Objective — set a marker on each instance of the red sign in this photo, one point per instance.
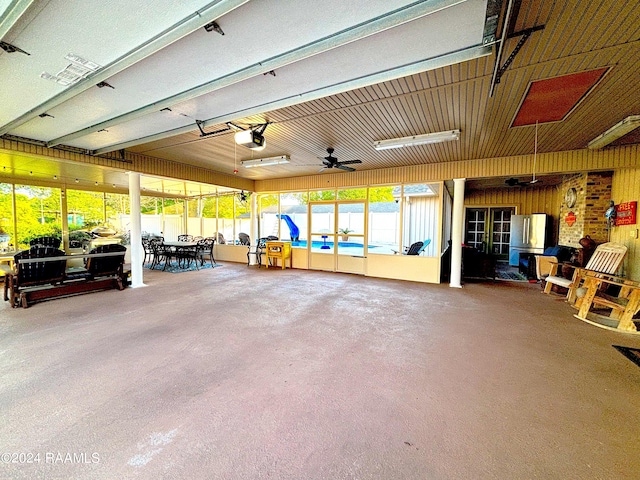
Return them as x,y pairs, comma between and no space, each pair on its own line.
570,219
626,213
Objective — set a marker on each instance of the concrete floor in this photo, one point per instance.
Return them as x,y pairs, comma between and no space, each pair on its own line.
240,373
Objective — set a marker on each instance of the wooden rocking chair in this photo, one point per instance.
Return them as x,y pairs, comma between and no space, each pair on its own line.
621,307
606,260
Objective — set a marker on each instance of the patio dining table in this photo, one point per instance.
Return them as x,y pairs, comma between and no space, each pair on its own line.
181,250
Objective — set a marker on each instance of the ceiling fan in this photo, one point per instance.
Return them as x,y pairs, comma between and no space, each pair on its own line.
512,182
332,162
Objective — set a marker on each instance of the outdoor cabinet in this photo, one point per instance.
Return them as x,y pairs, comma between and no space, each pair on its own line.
281,250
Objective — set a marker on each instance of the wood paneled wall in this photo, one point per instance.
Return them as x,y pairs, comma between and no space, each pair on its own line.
548,163
527,200
555,162
626,188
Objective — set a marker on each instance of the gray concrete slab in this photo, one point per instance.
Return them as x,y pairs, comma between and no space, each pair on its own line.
240,373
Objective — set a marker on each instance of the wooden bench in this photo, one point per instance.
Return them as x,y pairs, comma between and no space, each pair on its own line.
41,273
606,260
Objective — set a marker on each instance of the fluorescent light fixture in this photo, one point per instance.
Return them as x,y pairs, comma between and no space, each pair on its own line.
620,129
436,137
265,162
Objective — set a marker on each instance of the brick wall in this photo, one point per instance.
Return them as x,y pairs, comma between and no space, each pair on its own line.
593,195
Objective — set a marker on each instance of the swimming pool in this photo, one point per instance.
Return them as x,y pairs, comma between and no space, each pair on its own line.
319,244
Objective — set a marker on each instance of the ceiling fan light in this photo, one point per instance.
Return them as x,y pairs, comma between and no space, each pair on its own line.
265,162
436,137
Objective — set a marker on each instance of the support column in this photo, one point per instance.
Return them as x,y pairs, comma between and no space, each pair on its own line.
254,225
135,233
457,223
14,212
64,217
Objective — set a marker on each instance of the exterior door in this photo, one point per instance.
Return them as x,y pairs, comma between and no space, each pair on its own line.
322,236
351,247
488,229
337,239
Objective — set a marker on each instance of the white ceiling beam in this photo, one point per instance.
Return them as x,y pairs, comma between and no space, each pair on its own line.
376,25
412,69
11,14
185,26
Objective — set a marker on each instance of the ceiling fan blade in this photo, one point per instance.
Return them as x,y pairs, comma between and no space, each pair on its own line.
512,182
349,162
322,169
346,169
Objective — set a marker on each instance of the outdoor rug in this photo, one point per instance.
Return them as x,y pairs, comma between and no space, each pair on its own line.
514,275
632,354
173,268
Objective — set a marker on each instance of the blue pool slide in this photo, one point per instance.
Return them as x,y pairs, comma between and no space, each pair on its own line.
294,231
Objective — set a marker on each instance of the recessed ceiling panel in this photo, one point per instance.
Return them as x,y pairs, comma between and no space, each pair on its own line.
551,100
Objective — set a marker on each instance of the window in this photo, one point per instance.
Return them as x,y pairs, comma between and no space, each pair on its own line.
242,215
225,218
38,213
352,194
421,216
268,223
6,218
384,220
322,195
293,218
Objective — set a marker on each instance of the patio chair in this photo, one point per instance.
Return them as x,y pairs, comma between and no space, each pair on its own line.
244,239
606,260
147,247
259,249
48,241
186,255
185,238
415,248
161,254
425,244
205,248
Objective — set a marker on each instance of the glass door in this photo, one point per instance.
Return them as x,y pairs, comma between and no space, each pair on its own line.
350,249
337,239
489,230
322,237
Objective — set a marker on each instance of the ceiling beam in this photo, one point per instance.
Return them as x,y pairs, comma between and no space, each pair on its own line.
404,71
11,14
185,26
375,25
502,40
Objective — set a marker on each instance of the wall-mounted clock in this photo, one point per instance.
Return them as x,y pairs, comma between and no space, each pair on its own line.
570,197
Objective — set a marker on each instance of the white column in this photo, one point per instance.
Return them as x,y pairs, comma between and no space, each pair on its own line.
457,221
64,216
254,225
135,234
